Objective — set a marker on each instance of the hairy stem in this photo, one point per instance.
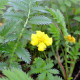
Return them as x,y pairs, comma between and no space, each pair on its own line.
21,33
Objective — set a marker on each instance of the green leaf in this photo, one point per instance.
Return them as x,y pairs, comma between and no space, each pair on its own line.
63,8
77,18
48,66
58,16
15,74
3,65
4,79
41,76
15,16
53,71
77,32
2,5
15,65
68,3
60,2
57,78
11,37
36,0
39,62
40,20
55,33
23,54
77,11
39,8
5,48
19,4
44,68
50,76
1,39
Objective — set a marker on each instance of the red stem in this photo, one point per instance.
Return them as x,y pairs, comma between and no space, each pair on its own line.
62,67
58,29
77,75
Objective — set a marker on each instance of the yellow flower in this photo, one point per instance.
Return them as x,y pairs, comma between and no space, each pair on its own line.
1,24
73,40
70,38
34,40
48,41
41,46
33,36
41,40
40,35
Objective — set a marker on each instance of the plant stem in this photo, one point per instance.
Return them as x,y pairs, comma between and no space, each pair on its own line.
58,29
67,17
77,75
66,59
72,68
21,33
57,57
62,67
45,55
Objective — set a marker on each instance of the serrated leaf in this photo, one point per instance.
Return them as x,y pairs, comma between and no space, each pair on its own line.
57,78
63,8
55,33
2,5
39,62
40,20
1,39
36,0
58,16
41,76
3,65
19,4
68,3
16,74
11,37
53,71
48,66
27,34
23,54
77,18
15,65
40,8
4,79
77,32
15,16
5,48
50,76
77,11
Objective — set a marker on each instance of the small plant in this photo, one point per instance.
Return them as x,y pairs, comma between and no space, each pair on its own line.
44,69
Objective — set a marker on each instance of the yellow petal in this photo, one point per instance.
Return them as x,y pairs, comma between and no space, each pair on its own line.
41,46
48,41
34,42
33,36
73,40
1,24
